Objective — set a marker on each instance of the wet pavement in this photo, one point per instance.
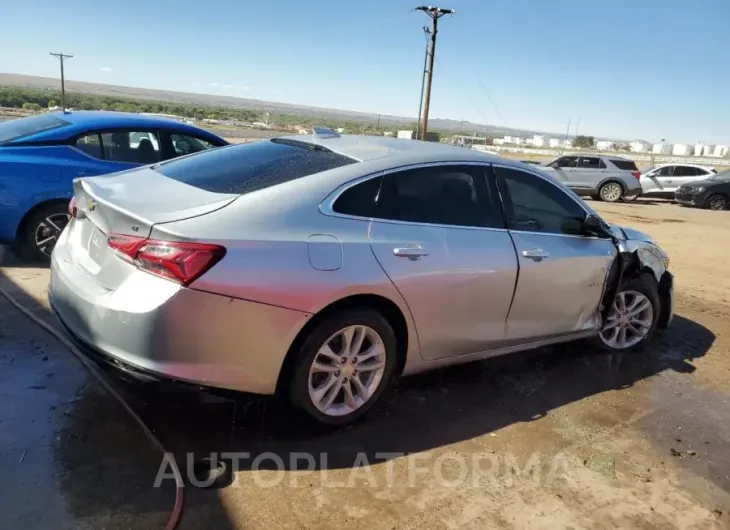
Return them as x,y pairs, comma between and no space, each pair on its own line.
556,438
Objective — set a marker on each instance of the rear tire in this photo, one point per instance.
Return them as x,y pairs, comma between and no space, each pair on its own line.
611,191
41,231
716,202
633,319
334,391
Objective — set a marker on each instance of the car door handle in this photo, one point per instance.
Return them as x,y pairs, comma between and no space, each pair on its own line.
536,254
412,252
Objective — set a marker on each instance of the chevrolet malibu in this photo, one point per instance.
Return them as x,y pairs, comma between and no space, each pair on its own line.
323,267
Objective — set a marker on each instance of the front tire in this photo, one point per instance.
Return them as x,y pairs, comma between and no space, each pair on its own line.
611,192
41,231
632,322
344,367
716,202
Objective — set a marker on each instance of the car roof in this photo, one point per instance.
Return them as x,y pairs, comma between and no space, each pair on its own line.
682,164
597,155
87,120
367,148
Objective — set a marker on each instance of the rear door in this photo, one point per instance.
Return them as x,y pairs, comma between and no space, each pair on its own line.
438,234
561,272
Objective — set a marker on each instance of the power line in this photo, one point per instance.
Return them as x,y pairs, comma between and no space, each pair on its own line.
61,57
435,13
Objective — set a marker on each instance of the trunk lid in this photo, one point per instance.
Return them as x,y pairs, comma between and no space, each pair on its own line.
130,203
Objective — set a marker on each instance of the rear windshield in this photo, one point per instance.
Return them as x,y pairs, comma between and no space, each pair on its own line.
249,167
14,129
628,165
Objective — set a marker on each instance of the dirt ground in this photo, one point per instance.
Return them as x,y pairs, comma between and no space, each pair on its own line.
553,439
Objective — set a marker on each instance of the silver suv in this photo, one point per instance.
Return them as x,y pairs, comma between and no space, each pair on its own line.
606,178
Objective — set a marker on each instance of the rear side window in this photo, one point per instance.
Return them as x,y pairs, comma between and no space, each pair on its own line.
626,165
249,167
15,129
359,200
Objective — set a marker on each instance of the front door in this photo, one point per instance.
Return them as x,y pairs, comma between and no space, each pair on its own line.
566,168
438,234
591,171
561,272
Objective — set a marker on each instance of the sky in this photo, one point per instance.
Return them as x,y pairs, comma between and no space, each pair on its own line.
628,69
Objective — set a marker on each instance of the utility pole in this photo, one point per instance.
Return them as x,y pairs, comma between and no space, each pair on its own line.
426,32
61,57
435,13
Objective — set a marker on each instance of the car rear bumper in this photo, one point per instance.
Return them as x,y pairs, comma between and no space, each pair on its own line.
153,328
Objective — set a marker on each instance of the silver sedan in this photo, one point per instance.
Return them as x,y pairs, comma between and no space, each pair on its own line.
324,267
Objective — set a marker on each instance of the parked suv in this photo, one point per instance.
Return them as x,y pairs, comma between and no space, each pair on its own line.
605,178
665,179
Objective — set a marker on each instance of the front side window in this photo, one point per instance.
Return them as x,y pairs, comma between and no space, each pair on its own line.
184,144
591,162
442,195
666,171
566,161
535,205
133,147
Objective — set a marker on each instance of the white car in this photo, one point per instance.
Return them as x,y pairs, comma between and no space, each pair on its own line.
664,179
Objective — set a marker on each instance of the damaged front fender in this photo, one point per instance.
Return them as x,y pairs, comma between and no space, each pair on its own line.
637,254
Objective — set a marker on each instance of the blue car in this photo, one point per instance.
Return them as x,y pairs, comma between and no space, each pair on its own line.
41,155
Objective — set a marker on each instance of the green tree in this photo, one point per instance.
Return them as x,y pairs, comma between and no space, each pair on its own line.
584,141
52,103
31,106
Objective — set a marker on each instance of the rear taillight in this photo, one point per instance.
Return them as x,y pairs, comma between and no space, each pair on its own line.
182,262
72,207
636,174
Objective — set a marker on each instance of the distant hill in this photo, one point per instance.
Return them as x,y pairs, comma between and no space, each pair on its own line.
230,101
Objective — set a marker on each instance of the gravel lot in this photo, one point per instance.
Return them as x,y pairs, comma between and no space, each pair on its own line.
560,438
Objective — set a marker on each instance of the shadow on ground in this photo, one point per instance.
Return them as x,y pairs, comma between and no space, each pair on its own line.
71,456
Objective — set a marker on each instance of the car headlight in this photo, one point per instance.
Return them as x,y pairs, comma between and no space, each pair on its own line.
659,254
698,190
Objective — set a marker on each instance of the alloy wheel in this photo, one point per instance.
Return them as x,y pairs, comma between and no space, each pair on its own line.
717,203
629,322
347,370
611,192
48,231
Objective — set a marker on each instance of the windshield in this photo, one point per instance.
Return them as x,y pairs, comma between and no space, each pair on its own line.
724,176
11,130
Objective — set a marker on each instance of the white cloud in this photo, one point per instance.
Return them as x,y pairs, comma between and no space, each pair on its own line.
243,87
213,84
106,68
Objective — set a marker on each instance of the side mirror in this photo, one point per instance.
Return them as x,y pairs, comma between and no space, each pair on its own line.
593,225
